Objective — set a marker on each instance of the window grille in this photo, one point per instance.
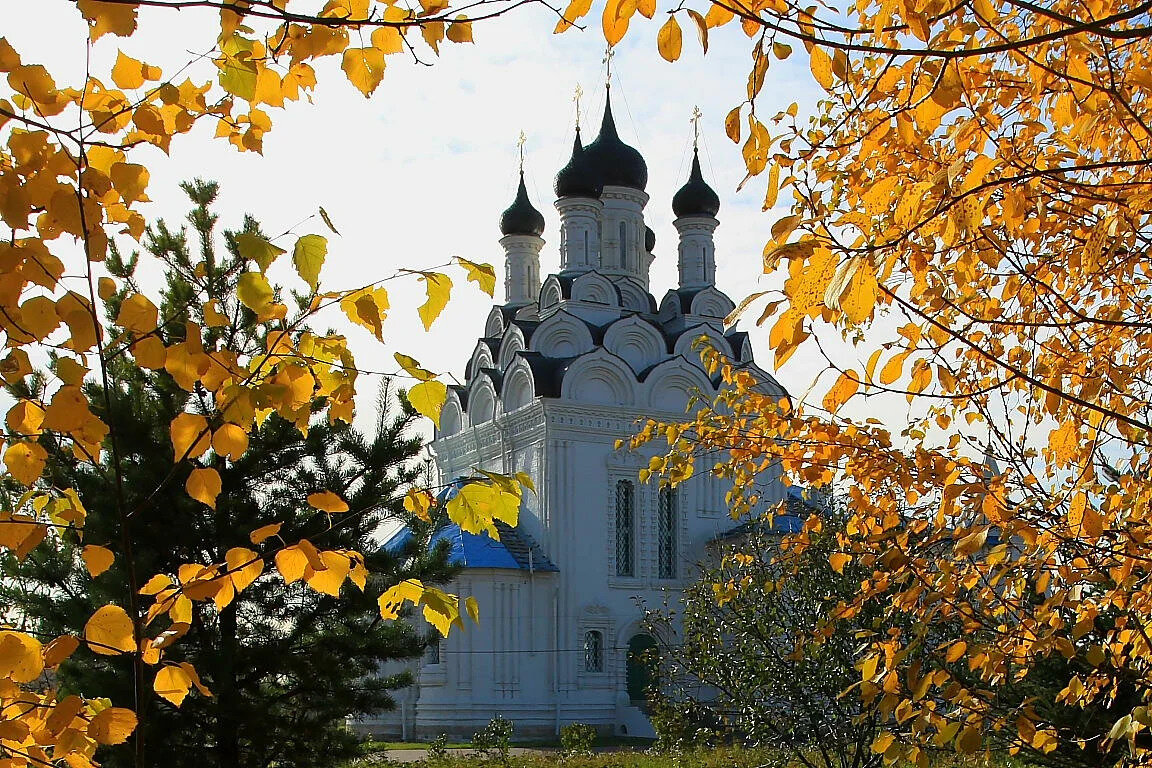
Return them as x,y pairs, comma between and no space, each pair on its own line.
667,519
593,651
432,652
625,528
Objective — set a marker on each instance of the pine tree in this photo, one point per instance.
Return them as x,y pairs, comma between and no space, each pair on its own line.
285,664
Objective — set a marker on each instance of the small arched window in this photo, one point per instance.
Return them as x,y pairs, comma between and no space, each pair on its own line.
625,528
593,651
432,652
667,519
587,252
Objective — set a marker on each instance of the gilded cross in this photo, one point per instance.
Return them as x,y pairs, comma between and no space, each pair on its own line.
696,115
520,142
576,98
607,62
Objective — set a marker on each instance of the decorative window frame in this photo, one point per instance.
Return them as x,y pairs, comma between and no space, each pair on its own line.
596,618
433,672
626,465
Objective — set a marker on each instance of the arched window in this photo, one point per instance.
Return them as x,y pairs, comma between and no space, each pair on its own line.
625,528
593,651
666,533
623,246
587,252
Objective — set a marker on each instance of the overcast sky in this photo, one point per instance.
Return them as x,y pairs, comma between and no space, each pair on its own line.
420,172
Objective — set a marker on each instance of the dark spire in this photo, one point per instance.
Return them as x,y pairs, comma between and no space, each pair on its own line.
578,178
696,198
616,163
521,218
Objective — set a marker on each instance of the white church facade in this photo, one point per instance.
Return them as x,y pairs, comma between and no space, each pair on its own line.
566,366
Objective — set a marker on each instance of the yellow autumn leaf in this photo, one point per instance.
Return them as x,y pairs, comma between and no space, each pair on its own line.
244,567
327,501
104,17
57,651
364,68
482,274
477,504
407,591
773,187
821,66
882,742
439,287
838,560
109,631
172,683
617,14
127,72
24,418
367,307
308,258
137,314
460,30
428,398
893,369
473,609
190,436
412,367
21,657
670,40
25,461
419,503
112,725
38,317
1063,442
264,532
255,248
844,388
576,10
254,292
203,484
329,580
292,563
441,609
230,440
955,651
97,559
859,297
150,353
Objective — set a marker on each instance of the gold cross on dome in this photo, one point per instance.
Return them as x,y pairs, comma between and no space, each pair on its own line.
576,98
520,142
696,115
607,62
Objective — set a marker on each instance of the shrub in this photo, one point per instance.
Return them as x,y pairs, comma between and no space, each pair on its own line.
577,738
495,741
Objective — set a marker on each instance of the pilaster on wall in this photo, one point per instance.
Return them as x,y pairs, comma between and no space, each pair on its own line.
579,233
623,214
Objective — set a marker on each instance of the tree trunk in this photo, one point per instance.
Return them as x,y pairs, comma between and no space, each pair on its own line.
227,699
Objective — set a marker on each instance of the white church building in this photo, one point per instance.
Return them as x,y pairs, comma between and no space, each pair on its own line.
566,366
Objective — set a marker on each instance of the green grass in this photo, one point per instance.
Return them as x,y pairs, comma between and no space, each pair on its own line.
719,757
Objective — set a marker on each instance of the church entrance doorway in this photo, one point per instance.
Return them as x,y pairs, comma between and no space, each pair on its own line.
642,663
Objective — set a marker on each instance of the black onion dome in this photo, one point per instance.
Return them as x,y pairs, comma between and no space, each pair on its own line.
521,218
696,198
649,239
616,163
578,178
